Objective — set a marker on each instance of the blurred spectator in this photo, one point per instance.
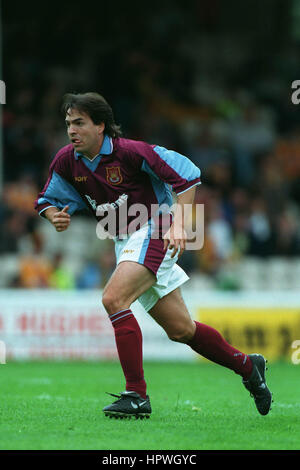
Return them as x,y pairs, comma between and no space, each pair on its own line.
207,258
13,226
90,276
287,153
219,232
241,239
261,233
287,234
272,185
61,278
35,268
21,193
251,136
95,273
204,150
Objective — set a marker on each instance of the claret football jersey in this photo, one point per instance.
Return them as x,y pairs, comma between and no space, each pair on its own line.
126,176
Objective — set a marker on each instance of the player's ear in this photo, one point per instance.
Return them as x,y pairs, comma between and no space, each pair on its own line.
101,128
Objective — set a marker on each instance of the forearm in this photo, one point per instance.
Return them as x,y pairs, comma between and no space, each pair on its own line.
176,235
183,207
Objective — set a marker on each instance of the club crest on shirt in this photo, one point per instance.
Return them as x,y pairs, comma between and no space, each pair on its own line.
113,175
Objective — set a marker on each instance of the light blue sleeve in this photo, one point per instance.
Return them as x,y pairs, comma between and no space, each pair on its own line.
60,193
182,165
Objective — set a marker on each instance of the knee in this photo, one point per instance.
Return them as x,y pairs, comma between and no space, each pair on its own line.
182,334
113,303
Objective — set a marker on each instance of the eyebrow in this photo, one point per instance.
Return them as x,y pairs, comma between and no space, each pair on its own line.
73,120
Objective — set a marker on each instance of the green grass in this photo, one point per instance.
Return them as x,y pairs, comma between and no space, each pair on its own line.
57,406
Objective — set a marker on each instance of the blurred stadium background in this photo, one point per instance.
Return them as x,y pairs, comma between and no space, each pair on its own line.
211,79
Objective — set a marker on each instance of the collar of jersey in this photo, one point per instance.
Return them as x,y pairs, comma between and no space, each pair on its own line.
106,149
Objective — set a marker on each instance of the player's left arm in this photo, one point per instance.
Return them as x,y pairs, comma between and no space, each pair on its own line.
169,166
183,175
176,236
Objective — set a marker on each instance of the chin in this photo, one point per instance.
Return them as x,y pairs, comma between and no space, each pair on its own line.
79,148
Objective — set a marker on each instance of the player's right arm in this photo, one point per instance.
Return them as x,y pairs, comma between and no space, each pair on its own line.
59,218
59,199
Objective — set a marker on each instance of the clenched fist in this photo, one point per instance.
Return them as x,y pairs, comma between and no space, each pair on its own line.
60,219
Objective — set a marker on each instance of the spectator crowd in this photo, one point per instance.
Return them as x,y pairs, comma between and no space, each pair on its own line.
179,87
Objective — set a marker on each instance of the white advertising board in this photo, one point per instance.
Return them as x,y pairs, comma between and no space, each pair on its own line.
74,325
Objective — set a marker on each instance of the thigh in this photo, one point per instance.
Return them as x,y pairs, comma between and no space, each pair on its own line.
129,281
171,313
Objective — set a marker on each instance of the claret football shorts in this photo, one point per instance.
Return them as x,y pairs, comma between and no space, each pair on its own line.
143,249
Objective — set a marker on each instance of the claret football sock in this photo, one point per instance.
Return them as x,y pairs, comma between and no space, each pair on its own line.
210,344
129,342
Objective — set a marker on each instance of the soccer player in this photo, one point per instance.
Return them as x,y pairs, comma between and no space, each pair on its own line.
104,172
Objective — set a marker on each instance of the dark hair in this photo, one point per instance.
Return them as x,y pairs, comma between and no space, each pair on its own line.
96,107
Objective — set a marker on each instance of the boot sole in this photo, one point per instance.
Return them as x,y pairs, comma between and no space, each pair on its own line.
120,415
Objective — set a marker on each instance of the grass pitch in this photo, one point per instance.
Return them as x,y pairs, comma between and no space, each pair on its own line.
57,406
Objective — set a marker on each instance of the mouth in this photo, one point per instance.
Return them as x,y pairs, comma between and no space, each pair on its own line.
76,141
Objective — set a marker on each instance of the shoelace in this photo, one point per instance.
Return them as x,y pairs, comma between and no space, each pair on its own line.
113,395
116,396
120,397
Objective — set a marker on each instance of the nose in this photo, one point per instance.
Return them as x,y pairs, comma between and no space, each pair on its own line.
71,130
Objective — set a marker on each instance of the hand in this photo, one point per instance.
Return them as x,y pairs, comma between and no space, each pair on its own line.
174,238
61,219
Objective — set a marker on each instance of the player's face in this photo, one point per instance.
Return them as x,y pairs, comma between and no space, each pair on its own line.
85,136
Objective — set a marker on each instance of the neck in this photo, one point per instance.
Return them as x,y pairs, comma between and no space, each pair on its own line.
92,153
